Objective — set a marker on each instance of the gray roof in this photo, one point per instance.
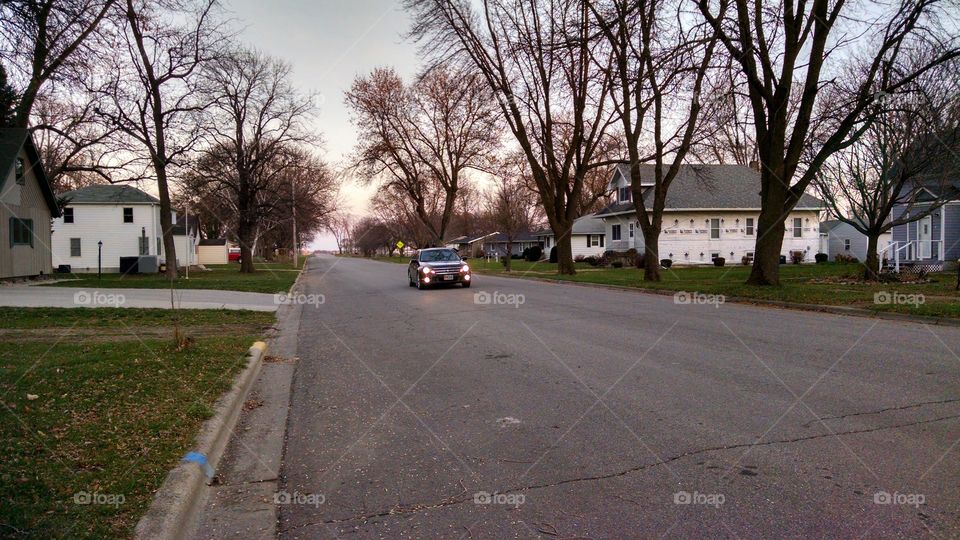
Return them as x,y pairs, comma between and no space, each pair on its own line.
109,194
584,225
707,187
827,226
12,140
180,227
501,238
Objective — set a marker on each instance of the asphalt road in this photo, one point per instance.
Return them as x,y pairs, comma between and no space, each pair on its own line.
595,413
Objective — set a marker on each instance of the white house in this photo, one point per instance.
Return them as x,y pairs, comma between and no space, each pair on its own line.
125,219
587,237
711,211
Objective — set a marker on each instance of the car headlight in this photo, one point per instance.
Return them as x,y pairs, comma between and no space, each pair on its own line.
466,268
426,270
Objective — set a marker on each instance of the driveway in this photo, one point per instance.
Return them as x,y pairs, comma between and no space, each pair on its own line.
70,297
526,409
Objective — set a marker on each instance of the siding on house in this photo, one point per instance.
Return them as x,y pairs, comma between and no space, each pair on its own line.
93,223
834,242
951,234
24,202
687,243
944,225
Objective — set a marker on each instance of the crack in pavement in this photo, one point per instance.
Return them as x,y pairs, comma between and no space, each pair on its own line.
883,410
459,498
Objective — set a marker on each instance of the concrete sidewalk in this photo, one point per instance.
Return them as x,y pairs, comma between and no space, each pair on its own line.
71,297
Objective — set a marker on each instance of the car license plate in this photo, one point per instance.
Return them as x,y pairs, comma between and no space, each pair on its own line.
448,278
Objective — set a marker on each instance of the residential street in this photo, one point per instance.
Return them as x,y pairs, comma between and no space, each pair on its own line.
598,413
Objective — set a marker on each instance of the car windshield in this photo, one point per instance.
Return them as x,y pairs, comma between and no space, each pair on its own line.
439,255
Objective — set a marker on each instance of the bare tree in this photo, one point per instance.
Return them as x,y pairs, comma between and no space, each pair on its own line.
726,133
902,168
512,210
155,92
259,123
422,138
48,40
546,69
340,224
783,49
658,72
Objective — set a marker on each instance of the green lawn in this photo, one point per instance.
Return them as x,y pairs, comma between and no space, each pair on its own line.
268,278
799,283
98,401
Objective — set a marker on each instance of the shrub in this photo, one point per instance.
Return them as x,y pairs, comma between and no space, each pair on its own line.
515,256
783,259
745,260
553,254
611,254
631,253
719,261
503,260
846,259
617,264
639,261
666,263
821,258
592,260
796,257
533,254
579,258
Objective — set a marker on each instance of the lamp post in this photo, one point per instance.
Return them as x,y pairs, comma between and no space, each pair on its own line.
99,260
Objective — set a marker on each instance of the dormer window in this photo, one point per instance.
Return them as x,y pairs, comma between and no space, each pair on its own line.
625,194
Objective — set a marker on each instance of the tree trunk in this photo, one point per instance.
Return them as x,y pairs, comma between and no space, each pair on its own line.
651,254
565,252
509,254
166,222
245,235
872,271
766,257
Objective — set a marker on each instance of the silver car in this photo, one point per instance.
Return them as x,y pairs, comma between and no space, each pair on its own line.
437,266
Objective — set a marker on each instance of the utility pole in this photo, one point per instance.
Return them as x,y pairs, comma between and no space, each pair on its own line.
293,203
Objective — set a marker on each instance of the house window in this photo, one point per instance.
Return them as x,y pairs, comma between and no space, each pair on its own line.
128,215
21,172
546,241
797,227
21,232
74,247
615,232
714,255
68,215
715,228
631,230
159,245
749,226
625,194
846,244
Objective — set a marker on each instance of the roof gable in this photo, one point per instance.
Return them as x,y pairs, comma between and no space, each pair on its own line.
12,140
109,194
714,187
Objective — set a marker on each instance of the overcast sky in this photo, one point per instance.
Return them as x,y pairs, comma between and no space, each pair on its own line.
329,43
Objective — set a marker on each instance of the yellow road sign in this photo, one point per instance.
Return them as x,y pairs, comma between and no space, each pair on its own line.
400,244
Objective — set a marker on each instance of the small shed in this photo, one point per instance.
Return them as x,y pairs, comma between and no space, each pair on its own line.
212,251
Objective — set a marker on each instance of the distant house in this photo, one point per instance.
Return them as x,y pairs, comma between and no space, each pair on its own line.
27,205
711,211
126,220
839,238
587,237
495,245
934,239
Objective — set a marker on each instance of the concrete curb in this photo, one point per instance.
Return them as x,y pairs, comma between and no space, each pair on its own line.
835,310
177,502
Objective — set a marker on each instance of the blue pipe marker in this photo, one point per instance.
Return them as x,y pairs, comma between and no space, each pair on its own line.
200,459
